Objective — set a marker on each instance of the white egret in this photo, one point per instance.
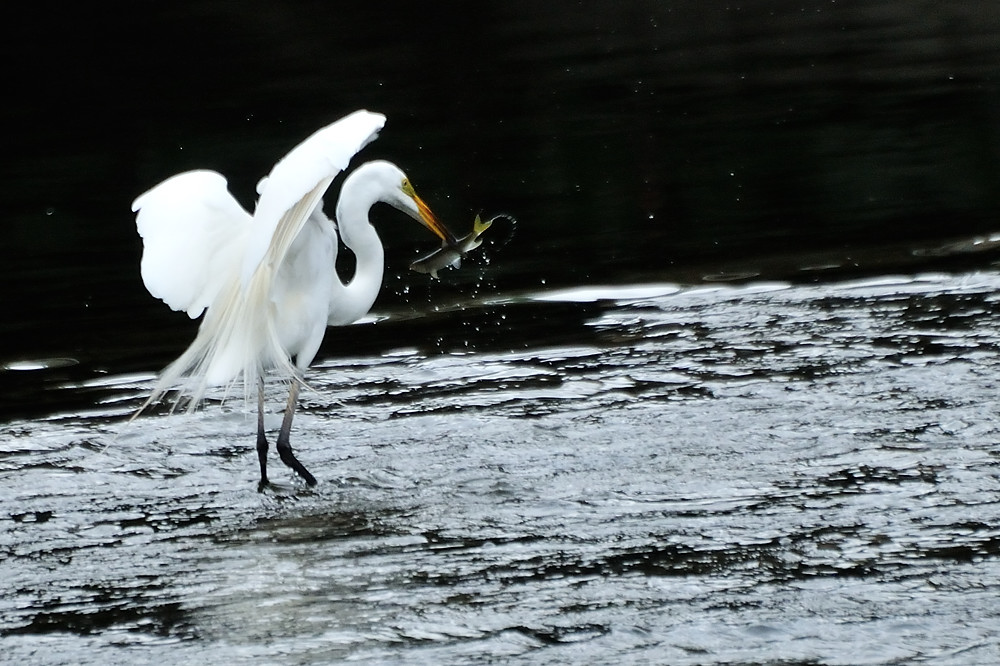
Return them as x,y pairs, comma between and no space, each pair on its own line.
267,282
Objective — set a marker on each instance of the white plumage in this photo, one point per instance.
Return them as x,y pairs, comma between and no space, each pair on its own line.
267,283
193,233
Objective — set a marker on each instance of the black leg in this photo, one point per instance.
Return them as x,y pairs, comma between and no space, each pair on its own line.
284,448
261,437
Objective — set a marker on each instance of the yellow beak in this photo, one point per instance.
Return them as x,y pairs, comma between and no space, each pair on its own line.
433,223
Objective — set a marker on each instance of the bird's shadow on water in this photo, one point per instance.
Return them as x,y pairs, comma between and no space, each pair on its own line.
316,524
149,606
139,557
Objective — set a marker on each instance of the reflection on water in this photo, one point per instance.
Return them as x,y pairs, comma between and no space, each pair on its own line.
755,473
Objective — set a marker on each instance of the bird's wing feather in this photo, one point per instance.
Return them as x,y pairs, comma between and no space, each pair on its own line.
193,233
296,184
238,335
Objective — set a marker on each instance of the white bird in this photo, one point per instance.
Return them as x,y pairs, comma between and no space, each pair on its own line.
267,283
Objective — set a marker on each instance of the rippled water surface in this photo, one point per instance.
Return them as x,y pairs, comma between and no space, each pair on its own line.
755,473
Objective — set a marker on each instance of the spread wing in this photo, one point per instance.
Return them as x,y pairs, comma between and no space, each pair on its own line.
296,184
202,250
193,235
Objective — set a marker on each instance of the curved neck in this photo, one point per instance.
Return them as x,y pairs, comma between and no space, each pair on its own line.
353,300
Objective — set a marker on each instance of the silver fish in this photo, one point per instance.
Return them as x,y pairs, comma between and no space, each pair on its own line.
451,256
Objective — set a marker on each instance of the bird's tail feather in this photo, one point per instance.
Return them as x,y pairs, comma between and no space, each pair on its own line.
238,336
237,339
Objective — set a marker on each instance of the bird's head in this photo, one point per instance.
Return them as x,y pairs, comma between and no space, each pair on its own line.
397,191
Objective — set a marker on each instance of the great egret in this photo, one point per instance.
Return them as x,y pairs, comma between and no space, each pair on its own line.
267,283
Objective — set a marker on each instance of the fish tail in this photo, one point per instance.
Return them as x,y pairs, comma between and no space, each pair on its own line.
479,226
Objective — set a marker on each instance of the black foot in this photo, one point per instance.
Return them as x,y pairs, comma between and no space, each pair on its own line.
287,457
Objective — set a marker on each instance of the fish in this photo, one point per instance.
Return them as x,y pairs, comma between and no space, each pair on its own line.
451,255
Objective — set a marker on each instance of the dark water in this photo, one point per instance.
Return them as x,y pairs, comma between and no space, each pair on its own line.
724,394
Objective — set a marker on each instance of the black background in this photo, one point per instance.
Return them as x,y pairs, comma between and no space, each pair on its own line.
632,141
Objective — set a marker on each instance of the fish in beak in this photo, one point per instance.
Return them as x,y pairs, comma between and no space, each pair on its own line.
451,255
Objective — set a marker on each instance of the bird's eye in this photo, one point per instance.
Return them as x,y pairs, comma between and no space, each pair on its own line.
407,187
